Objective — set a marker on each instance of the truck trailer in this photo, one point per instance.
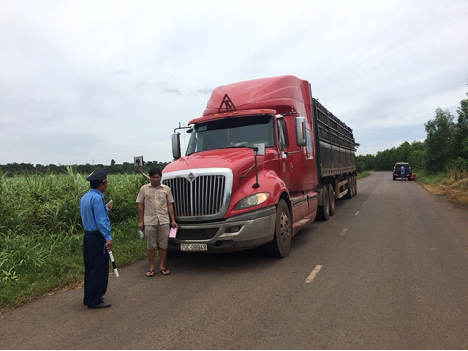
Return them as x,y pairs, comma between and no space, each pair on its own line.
263,161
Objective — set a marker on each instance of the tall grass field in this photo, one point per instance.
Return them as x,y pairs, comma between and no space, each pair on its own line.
41,232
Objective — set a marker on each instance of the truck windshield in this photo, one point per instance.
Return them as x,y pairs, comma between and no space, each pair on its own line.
232,132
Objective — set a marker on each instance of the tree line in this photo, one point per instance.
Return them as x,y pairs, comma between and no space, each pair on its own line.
12,169
444,149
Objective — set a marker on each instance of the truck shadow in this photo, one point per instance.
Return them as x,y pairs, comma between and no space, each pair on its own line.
257,257
225,262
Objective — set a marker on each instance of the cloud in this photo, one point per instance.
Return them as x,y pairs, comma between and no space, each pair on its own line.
101,80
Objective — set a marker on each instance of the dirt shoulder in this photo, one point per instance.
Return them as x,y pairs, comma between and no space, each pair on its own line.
455,191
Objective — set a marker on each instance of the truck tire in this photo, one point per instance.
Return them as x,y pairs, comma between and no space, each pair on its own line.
281,244
331,198
350,193
355,185
323,211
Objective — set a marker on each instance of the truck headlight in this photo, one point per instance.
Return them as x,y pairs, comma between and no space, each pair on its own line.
252,200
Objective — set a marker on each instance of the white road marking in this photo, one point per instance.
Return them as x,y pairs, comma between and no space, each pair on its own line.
313,274
356,213
343,232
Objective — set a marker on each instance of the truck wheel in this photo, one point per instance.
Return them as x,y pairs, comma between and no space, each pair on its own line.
331,198
350,193
355,185
281,244
323,211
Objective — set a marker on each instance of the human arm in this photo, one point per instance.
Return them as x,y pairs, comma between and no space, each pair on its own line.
170,210
101,218
141,211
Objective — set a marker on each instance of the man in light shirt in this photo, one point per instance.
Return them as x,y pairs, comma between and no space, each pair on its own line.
155,217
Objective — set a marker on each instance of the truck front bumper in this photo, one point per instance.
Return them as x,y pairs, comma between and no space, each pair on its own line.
232,234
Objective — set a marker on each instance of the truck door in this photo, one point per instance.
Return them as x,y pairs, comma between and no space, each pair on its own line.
286,164
297,163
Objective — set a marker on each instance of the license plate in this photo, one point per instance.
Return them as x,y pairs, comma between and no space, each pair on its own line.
193,247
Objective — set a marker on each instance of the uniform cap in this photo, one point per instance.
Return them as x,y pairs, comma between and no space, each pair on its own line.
100,175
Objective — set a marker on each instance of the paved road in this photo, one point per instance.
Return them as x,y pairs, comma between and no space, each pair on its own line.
388,271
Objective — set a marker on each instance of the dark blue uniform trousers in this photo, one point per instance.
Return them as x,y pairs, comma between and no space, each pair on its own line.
96,263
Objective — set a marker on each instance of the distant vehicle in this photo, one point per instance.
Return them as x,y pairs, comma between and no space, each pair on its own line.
263,161
397,170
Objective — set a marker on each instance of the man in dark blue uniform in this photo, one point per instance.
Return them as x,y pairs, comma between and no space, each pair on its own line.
97,241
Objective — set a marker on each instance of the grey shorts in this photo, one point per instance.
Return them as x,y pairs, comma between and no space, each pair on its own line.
156,236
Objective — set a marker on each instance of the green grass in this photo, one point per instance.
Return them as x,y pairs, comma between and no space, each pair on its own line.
41,232
426,178
363,174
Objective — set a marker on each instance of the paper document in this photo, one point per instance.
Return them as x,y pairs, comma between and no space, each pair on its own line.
172,232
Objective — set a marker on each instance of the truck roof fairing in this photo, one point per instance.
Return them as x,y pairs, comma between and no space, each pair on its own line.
279,91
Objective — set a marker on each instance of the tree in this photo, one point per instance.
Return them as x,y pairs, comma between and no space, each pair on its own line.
385,160
404,151
417,155
440,141
365,163
461,130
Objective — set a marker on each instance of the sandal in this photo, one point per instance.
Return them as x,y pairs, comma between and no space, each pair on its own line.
165,271
150,273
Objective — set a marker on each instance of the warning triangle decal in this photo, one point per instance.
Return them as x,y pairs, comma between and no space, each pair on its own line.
228,104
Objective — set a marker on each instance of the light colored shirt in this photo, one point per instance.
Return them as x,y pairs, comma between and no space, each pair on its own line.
155,201
94,215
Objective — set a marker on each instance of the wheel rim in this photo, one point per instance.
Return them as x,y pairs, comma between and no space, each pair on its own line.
284,228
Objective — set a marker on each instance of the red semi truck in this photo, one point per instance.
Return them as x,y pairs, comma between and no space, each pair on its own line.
263,161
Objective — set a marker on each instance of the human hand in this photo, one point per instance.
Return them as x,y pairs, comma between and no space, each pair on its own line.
109,245
109,205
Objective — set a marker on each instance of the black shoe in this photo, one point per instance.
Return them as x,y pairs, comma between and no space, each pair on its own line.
101,305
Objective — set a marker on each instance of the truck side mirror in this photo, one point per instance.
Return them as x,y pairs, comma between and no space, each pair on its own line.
138,161
260,149
176,154
301,131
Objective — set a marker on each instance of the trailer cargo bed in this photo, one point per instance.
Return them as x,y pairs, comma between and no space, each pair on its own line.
335,145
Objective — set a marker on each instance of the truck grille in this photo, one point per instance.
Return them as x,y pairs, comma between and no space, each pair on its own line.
196,234
199,195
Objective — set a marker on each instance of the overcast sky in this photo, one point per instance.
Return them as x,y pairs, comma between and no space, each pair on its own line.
91,81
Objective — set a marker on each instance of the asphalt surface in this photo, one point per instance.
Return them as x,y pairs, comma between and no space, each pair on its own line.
388,271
